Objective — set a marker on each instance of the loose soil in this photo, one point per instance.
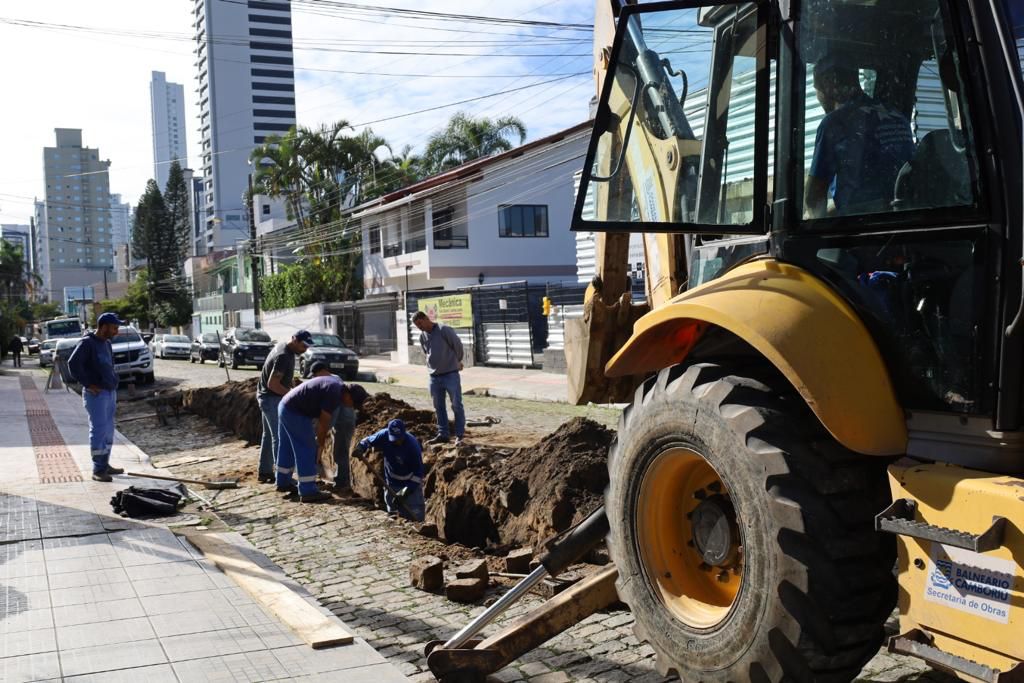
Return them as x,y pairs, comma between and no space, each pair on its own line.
231,406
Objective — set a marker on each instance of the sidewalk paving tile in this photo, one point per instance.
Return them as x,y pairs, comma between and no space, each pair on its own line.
17,643
81,579
83,595
90,660
29,620
212,644
196,601
297,659
111,633
97,613
161,673
241,668
38,667
183,623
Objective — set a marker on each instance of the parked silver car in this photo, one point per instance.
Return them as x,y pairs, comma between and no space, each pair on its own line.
46,352
132,358
170,346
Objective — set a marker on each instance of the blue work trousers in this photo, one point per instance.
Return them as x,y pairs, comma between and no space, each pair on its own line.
412,506
296,451
268,441
344,430
101,408
451,385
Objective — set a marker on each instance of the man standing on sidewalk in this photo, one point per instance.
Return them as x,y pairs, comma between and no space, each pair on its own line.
92,365
304,418
276,380
443,350
16,348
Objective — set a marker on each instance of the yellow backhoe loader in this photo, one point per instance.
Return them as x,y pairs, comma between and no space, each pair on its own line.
825,377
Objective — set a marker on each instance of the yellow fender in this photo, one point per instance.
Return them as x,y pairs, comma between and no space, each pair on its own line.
803,328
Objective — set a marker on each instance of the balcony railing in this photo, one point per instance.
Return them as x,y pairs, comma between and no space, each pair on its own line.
392,250
415,244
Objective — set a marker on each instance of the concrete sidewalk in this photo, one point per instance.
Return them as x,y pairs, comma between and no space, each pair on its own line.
89,596
532,385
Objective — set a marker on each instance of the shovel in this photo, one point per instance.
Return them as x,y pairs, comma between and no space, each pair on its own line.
214,485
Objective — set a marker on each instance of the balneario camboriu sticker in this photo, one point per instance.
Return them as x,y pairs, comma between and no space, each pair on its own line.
970,582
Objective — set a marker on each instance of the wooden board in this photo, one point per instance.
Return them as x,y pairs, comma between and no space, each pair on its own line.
308,622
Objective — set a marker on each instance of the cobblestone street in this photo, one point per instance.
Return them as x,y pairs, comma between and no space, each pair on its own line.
355,559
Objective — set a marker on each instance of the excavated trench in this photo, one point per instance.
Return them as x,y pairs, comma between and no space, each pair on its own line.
478,495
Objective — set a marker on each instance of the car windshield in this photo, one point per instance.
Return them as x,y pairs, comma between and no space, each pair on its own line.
210,337
49,344
252,336
327,340
176,338
126,336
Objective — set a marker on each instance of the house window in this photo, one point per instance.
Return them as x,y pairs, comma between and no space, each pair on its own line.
523,220
444,222
374,239
266,209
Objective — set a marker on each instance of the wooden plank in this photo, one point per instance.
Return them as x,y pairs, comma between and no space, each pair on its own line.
308,622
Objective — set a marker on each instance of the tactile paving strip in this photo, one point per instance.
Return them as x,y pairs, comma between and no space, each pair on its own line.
53,459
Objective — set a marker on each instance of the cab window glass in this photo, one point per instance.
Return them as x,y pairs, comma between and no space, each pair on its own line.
886,127
1015,15
676,143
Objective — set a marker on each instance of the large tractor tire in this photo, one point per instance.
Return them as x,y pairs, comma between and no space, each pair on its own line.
743,533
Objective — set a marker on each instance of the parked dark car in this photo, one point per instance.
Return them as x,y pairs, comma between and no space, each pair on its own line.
204,348
331,350
244,346
33,346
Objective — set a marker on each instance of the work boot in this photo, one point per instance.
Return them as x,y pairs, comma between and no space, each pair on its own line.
102,477
115,470
290,489
267,479
343,490
437,440
460,441
318,497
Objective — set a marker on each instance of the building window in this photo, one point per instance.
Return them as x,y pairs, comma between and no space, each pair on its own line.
270,33
269,59
523,220
272,73
266,209
271,99
265,126
267,19
374,239
444,221
281,87
275,47
274,113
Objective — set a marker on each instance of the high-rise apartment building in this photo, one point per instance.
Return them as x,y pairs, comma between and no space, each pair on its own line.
73,223
167,107
120,221
246,92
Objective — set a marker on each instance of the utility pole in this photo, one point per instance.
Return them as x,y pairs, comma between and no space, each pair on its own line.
106,292
254,260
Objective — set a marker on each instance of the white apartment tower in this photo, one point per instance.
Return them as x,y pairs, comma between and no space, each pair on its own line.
73,222
167,107
246,92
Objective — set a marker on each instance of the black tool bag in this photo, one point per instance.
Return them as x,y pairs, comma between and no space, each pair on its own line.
140,502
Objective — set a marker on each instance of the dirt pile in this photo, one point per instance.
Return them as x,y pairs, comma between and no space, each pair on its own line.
377,411
231,406
500,499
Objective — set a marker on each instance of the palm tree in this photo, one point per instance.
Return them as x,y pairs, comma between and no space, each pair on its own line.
398,171
467,138
278,171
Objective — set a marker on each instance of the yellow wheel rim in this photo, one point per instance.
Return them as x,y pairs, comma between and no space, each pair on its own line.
689,541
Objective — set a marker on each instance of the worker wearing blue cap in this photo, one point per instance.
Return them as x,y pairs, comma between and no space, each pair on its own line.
403,469
92,365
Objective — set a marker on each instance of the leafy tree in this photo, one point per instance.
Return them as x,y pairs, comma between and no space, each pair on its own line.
398,171
15,281
467,138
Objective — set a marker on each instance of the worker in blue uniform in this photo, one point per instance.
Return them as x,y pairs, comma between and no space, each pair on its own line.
403,469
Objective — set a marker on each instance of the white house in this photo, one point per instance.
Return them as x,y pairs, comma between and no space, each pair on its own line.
497,219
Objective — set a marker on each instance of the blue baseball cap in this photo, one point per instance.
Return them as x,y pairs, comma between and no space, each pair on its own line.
305,337
396,430
109,318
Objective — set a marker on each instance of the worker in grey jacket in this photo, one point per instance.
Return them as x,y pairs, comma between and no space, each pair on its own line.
443,350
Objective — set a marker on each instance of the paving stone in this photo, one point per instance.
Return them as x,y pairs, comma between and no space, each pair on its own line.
248,667
531,669
474,569
211,644
427,573
18,643
96,613
466,590
553,677
518,561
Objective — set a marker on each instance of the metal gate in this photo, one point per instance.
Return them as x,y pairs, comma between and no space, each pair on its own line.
367,326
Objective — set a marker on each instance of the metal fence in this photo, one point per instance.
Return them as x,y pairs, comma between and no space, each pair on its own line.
367,326
509,327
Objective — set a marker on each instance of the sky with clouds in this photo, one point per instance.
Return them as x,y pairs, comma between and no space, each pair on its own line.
89,63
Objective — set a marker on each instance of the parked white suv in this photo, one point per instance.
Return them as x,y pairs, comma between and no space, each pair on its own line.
132,358
170,346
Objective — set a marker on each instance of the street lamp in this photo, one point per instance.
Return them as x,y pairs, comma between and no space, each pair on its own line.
480,278
408,267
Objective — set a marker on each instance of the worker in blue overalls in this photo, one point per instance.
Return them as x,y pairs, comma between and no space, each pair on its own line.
403,469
